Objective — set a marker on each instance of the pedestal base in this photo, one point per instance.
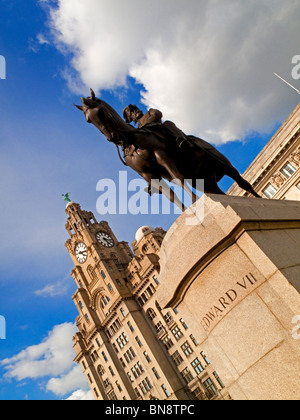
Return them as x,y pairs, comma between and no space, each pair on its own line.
235,280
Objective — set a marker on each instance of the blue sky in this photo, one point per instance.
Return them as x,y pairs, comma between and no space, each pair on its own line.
217,83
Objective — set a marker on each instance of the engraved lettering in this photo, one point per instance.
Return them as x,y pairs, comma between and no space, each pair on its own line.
229,294
223,302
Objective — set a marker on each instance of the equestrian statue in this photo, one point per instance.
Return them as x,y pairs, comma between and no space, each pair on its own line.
160,151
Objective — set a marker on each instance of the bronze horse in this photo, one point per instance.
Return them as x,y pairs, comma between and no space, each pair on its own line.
154,157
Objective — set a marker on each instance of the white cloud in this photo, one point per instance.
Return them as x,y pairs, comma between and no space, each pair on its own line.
69,382
59,288
207,65
81,395
52,358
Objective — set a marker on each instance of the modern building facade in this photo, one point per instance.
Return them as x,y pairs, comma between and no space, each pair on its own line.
128,347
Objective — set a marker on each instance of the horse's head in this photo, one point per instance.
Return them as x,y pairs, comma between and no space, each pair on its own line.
103,116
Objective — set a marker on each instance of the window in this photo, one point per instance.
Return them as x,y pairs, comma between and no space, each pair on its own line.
80,304
193,340
104,356
205,358
151,314
110,287
177,359
123,312
145,249
147,357
130,377
137,392
118,386
130,326
103,274
219,380
150,290
199,394
145,386
94,356
159,326
137,370
104,301
87,317
177,333
155,279
210,388
197,365
187,375
122,362
270,191
168,317
155,373
129,355
165,390
122,340
183,324
288,170
111,371
138,341
106,383
187,349
101,370
168,342
112,396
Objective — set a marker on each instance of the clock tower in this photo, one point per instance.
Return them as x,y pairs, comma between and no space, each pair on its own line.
100,259
128,347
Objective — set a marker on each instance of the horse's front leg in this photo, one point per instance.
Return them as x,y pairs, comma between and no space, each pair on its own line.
161,187
163,159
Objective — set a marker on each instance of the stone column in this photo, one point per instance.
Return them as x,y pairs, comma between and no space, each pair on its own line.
235,279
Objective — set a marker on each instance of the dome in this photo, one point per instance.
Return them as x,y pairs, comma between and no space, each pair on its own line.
143,231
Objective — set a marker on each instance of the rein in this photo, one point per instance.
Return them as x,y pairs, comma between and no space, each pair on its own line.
121,159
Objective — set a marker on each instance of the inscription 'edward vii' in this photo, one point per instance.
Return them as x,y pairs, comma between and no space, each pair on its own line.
216,312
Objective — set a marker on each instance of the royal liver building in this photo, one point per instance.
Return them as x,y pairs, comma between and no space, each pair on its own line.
129,348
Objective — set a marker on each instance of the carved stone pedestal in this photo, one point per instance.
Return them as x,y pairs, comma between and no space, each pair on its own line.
235,280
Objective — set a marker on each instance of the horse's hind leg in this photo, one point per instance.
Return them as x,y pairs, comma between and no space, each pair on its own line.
211,187
245,185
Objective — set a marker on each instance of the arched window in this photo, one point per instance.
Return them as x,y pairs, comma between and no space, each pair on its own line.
101,370
104,301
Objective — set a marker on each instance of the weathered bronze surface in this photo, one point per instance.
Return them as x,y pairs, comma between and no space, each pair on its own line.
157,150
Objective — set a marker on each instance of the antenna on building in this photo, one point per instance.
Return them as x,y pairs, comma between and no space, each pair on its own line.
298,91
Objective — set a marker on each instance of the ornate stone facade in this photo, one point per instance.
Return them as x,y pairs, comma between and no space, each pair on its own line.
128,347
275,173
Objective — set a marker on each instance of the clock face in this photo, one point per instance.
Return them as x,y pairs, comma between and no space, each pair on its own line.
105,239
81,252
